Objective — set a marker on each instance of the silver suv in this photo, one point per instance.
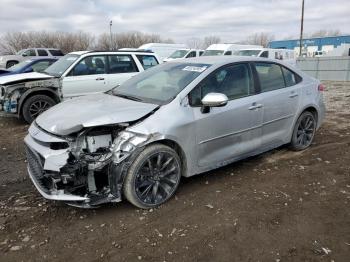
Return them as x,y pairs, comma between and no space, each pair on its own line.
181,118
7,61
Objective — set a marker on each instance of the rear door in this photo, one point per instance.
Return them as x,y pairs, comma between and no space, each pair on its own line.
88,76
280,93
233,130
120,68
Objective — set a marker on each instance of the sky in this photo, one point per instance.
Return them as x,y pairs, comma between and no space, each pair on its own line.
180,20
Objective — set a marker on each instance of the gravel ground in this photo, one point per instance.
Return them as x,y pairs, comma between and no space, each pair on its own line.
279,206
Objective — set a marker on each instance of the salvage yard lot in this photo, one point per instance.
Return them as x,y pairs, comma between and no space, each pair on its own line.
279,206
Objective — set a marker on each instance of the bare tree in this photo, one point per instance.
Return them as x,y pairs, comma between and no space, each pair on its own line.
194,42
323,33
262,39
210,40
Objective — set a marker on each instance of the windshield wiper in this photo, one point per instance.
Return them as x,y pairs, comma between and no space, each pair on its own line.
129,97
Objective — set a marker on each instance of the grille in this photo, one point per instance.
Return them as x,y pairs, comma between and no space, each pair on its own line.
35,164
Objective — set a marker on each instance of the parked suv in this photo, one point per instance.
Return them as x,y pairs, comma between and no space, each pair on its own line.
75,74
7,61
181,118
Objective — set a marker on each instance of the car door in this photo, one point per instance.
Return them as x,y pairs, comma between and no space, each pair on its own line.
280,96
121,68
88,76
231,131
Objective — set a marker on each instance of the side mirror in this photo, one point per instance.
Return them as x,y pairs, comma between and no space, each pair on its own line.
213,100
24,54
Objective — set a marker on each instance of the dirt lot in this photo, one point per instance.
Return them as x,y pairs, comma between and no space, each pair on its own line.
280,206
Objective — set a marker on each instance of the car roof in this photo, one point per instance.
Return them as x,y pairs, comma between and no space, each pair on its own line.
142,52
219,60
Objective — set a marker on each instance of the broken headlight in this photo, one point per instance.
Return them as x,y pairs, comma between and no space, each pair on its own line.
126,143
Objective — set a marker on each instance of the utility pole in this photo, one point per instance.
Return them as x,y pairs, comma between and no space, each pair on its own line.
301,29
110,35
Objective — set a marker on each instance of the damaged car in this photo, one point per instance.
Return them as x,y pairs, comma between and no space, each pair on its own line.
175,120
76,74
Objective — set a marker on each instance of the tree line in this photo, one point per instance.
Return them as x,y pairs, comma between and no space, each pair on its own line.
12,42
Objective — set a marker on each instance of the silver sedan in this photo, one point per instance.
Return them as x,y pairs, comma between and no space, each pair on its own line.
180,118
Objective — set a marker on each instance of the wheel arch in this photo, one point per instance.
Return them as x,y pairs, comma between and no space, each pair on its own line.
178,149
12,60
36,91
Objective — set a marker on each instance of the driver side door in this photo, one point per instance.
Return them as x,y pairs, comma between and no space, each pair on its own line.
228,132
88,76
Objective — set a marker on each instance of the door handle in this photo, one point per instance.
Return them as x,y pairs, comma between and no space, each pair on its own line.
100,79
255,106
293,95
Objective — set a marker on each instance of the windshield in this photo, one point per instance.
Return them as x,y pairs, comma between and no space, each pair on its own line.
247,52
58,68
178,54
19,65
212,52
160,84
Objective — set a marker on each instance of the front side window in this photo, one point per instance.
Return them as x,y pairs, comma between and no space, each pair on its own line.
212,52
247,52
29,52
265,54
178,54
228,53
121,64
191,54
147,61
42,52
235,81
91,65
270,76
162,83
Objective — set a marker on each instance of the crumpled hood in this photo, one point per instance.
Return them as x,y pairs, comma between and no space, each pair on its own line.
8,79
93,110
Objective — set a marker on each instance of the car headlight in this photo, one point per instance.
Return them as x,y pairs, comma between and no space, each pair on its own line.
126,143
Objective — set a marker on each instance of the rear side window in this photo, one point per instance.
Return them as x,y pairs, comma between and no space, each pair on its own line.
121,64
42,52
55,52
201,53
270,76
290,77
147,61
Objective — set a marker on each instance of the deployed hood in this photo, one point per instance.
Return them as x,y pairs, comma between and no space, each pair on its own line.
89,111
9,79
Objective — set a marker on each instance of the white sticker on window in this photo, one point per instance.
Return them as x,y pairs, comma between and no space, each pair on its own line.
195,68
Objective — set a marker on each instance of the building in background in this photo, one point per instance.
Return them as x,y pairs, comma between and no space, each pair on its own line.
317,46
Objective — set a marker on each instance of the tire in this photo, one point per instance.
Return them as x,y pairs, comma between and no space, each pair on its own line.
35,105
146,189
11,63
303,132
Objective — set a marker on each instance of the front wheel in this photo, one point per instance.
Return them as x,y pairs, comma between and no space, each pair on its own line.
35,105
304,131
153,177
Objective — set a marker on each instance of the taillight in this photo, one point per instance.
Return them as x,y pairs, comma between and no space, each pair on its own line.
321,87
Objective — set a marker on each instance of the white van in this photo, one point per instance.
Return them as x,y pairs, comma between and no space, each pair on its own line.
287,55
184,53
226,49
162,50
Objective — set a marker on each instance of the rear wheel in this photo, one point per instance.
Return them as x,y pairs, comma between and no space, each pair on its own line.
304,131
153,177
35,105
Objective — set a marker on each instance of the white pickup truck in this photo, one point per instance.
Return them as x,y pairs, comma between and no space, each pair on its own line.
75,74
